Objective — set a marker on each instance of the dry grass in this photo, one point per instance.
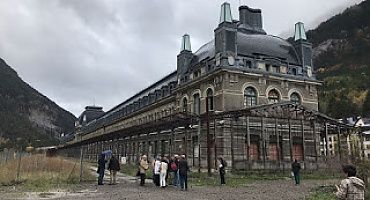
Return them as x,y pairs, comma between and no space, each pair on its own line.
39,171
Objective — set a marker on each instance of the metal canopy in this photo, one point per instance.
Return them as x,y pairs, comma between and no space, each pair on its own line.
282,110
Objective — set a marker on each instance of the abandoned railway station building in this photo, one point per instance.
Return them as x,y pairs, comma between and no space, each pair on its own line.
247,96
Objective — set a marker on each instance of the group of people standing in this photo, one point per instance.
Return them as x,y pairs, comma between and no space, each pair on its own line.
113,167
175,168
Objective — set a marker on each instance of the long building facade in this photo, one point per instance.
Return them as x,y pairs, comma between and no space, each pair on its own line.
247,96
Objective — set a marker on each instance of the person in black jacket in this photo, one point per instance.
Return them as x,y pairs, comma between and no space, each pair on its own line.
101,168
183,172
296,167
221,168
113,167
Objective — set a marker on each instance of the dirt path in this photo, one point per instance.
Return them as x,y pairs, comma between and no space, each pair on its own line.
128,188
280,189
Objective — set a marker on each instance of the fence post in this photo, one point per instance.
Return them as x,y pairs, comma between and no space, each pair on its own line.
19,165
81,162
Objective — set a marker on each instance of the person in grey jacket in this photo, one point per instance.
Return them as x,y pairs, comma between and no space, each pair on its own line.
350,188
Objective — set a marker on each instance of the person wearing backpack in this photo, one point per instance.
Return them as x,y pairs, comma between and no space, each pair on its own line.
350,188
173,168
221,168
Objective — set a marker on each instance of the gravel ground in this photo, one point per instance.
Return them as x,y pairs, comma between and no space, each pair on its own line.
280,189
128,189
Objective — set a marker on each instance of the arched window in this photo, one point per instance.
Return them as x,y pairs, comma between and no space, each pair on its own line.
295,98
185,105
196,104
273,96
210,99
250,96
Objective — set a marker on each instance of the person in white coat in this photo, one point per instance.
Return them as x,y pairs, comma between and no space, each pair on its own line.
157,170
163,173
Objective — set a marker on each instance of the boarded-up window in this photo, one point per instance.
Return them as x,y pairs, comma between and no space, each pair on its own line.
273,152
253,151
297,151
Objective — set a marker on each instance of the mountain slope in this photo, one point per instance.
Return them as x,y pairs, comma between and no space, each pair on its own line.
28,115
342,60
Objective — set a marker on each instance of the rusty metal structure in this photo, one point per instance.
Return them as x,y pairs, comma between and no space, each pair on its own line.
262,137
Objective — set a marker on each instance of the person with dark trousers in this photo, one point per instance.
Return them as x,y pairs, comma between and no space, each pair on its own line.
221,168
351,187
101,168
113,167
183,173
173,169
296,168
156,170
143,167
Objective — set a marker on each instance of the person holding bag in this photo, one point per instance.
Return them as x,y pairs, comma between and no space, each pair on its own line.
222,170
143,166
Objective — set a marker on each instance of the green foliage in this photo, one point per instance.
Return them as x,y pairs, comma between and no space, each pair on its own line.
17,100
344,91
345,65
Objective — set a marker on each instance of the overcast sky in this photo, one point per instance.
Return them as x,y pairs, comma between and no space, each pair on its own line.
81,52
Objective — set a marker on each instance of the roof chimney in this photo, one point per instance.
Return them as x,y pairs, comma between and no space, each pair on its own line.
185,43
300,33
225,15
250,16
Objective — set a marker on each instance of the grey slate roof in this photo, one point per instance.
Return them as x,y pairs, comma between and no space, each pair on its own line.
272,46
91,113
253,45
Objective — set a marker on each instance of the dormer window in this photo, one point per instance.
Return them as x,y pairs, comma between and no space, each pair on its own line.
275,69
248,64
294,71
196,74
268,67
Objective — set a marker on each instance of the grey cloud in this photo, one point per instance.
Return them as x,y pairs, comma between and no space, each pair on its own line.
104,51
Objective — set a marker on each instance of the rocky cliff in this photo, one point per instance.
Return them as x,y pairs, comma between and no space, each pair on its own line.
27,115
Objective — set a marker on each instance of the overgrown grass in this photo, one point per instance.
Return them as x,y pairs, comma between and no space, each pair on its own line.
38,172
323,193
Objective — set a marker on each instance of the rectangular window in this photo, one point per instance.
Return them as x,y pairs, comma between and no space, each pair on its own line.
276,69
248,64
